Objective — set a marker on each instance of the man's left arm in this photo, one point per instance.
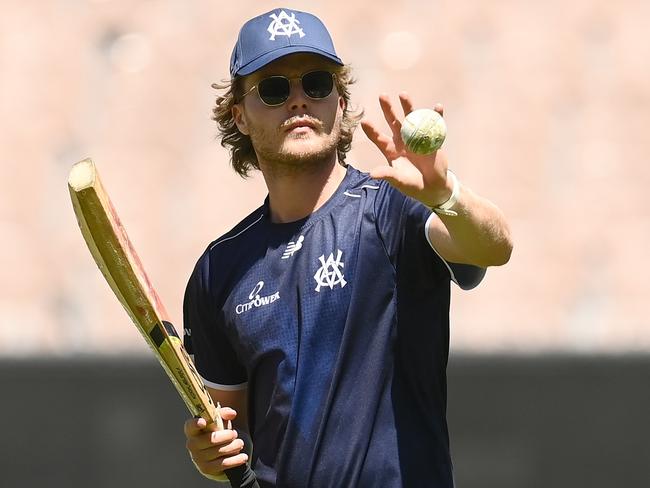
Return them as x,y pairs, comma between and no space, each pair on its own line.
473,230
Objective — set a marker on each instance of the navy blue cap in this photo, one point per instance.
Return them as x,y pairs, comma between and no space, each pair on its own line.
277,33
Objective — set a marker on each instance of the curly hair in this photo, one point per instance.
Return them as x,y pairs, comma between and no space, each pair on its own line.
242,153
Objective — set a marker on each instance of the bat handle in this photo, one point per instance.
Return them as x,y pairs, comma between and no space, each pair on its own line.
242,477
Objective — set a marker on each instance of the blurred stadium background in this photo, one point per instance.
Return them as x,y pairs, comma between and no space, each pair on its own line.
548,109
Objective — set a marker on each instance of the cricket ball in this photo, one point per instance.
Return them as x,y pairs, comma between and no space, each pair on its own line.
423,131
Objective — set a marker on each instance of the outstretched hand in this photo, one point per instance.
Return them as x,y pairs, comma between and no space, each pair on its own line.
423,177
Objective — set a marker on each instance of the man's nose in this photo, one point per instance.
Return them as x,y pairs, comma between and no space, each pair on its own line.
297,98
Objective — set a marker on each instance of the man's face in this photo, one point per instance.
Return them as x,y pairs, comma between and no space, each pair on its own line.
300,130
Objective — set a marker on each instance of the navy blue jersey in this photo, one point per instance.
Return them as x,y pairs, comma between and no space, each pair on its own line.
338,325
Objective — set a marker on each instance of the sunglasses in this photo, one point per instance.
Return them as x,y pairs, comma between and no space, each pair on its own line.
275,90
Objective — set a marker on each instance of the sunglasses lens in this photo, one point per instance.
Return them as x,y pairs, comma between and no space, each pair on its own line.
317,84
274,90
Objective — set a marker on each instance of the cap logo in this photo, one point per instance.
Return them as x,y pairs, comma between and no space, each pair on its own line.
284,25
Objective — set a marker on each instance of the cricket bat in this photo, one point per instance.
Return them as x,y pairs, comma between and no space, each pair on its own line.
119,263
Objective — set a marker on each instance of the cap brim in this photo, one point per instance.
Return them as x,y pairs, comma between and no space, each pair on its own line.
279,53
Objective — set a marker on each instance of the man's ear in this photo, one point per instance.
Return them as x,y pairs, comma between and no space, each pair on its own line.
239,118
342,103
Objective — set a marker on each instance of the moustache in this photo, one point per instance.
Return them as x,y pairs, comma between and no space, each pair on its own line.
302,120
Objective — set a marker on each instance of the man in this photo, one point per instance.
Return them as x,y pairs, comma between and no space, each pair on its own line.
322,319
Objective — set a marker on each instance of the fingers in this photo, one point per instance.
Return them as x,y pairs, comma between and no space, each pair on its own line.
391,117
215,450
384,143
212,450
392,147
206,439
234,461
194,426
407,104
217,466
227,413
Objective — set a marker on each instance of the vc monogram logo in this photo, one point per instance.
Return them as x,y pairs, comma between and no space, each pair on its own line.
329,274
283,25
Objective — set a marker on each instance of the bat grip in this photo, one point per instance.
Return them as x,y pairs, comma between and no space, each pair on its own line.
242,477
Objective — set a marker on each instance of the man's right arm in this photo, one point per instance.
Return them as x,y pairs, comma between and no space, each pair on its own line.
214,451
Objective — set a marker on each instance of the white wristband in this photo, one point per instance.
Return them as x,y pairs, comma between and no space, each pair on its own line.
445,208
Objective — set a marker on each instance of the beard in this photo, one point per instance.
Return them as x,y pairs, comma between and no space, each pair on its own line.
295,153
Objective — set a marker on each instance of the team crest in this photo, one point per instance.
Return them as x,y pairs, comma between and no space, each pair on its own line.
284,25
329,274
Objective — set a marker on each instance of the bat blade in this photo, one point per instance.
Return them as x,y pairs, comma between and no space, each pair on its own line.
119,263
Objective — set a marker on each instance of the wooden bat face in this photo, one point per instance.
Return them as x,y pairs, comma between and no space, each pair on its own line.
118,261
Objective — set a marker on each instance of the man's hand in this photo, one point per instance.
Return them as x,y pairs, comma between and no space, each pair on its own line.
423,177
212,450
478,234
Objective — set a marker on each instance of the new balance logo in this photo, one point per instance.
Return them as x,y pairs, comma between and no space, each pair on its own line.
329,274
284,25
293,247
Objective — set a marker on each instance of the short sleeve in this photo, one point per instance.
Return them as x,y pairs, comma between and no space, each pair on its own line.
215,356
403,226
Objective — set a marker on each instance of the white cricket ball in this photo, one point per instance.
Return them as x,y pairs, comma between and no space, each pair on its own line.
423,131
